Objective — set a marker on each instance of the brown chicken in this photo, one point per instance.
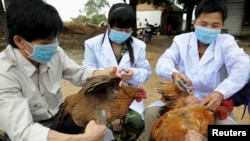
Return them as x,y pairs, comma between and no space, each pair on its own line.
177,117
102,99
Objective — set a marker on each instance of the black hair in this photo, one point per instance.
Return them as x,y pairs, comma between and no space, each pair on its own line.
122,15
32,19
209,6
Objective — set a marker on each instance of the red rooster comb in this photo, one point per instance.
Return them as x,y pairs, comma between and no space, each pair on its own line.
225,108
140,94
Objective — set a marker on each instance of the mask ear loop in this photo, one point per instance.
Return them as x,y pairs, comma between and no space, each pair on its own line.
56,41
27,53
27,50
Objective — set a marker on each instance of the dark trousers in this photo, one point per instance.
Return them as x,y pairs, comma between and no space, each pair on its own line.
65,125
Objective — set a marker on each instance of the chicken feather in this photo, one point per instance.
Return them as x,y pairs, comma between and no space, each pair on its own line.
177,117
101,98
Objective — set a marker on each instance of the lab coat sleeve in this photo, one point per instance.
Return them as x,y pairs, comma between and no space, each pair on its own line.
89,55
141,69
237,65
167,62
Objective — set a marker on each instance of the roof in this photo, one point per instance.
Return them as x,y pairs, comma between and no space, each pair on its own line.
150,7
147,7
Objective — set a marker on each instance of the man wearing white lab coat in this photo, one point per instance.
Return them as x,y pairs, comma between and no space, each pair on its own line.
211,64
224,66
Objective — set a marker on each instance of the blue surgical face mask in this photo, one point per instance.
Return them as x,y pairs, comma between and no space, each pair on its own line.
118,36
43,53
206,35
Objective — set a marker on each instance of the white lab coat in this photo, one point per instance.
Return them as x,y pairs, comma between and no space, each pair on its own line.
99,53
224,67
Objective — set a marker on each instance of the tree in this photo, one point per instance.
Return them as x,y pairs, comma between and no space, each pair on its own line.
189,8
81,19
95,19
133,4
93,7
247,13
3,7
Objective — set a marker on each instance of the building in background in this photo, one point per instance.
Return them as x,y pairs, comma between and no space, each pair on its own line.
161,17
236,22
146,11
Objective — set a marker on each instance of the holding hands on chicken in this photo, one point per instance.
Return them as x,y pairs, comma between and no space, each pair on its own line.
110,71
92,127
193,135
211,65
93,132
212,101
118,47
37,67
126,74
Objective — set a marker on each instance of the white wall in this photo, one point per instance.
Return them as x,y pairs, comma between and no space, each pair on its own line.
152,17
235,16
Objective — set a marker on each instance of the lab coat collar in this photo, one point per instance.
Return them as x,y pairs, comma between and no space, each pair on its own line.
193,53
109,53
207,56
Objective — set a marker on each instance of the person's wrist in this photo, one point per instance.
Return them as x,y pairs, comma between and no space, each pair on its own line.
95,73
175,75
220,94
101,72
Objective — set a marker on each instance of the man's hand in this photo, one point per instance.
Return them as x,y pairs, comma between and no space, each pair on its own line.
95,132
176,76
193,135
191,99
111,71
212,101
